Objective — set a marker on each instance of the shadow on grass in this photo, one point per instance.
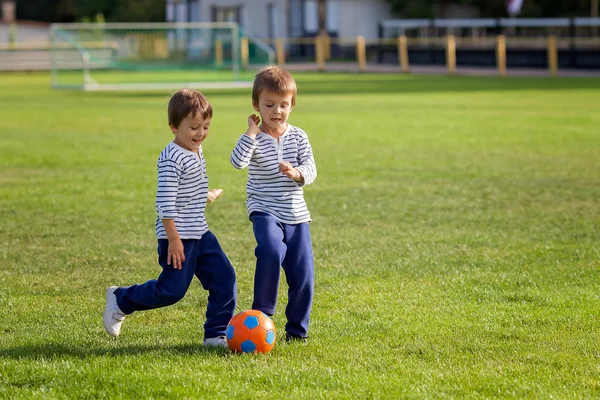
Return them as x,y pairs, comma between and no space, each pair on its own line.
391,83
60,350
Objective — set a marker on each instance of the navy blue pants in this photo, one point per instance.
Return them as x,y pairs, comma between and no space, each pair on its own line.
203,258
288,246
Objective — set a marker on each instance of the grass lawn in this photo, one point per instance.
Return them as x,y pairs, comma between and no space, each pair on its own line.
70,78
456,234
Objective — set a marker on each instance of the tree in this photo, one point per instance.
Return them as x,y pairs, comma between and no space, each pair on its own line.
40,10
141,11
414,8
78,10
494,8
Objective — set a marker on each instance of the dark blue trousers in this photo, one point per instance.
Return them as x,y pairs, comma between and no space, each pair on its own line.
288,246
205,259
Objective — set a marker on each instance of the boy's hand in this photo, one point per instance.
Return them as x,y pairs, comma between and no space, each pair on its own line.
253,129
213,194
288,170
175,254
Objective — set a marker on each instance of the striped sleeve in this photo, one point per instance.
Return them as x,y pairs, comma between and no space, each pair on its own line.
169,174
242,152
306,161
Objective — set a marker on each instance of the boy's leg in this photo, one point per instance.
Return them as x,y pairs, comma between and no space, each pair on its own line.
299,270
216,274
169,288
269,252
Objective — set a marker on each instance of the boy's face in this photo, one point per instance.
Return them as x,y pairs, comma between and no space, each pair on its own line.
274,111
191,132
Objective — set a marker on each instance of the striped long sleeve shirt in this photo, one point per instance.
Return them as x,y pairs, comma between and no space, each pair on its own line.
268,190
182,192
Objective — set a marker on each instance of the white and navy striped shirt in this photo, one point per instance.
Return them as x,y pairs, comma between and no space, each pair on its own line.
182,192
268,189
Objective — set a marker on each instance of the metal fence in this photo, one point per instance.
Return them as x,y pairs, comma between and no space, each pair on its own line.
502,43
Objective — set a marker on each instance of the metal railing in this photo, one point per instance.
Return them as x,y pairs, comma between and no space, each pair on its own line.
320,50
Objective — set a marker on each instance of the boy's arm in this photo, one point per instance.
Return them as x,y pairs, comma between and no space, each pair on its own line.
243,150
213,194
166,194
306,162
175,256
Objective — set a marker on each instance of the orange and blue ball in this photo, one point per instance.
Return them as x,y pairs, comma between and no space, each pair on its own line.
251,331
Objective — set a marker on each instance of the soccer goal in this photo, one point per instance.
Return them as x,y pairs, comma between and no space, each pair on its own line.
149,56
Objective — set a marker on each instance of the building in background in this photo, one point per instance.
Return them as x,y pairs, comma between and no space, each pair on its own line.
269,19
12,31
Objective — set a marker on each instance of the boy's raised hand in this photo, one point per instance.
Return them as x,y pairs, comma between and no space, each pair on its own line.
213,194
253,129
288,170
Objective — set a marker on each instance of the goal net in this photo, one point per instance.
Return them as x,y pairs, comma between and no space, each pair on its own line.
125,56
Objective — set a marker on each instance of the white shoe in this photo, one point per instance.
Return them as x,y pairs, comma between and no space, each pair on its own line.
219,341
113,316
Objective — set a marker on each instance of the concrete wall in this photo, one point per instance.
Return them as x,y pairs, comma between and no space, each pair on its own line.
361,17
254,14
26,32
30,60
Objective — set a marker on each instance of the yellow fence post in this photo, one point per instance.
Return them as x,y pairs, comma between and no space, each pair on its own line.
244,44
218,53
552,55
280,50
501,55
327,46
403,54
320,53
451,54
361,53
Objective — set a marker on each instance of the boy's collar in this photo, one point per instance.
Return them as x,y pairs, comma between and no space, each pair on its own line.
186,150
287,130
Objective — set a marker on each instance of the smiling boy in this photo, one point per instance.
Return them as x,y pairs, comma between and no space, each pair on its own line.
186,248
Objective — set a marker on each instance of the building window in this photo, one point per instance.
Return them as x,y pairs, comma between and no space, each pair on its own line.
295,18
272,20
332,15
311,17
226,14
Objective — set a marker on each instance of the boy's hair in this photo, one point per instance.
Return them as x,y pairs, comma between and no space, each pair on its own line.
186,101
276,80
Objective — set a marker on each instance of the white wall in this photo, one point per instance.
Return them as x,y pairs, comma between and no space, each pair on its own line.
361,17
33,33
255,14
350,18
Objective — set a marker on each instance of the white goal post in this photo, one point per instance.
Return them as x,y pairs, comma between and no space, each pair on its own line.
148,56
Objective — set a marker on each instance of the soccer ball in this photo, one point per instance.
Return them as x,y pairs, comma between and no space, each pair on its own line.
251,331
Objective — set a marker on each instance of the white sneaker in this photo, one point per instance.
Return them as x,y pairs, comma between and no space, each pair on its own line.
219,341
113,316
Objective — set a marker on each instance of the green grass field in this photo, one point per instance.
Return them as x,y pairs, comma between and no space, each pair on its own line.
75,78
456,234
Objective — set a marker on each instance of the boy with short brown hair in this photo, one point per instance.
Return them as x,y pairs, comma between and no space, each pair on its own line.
186,248
280,163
